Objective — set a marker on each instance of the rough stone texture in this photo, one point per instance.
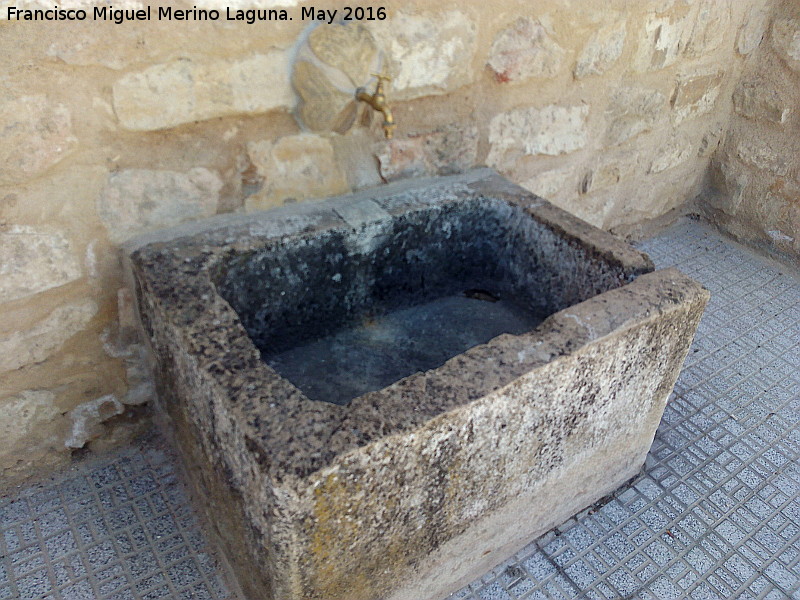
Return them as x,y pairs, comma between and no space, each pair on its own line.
348,48
632,111
731,183
141,387
88,51
294,168
138,200
555,185
33,260
752,31
695,95
35,134
756,193
551,130
524,50
329,66
27,426
711,25
427,53
660,42
121,340
693,30
87,419
755,99
786,40
445,151
602,50
689,30
323,106
610,210
355,154
30,346
378,498
710,140
762,155
184,91
675,152
609,171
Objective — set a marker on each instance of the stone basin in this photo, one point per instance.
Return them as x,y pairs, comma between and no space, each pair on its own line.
381,396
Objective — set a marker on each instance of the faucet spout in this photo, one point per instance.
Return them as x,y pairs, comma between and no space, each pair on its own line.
377,101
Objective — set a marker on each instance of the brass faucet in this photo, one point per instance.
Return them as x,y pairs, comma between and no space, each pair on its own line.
378,102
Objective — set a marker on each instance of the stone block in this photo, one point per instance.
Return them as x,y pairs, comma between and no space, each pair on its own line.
77,46
427,53
555,185
752,30
67,193
445,151
762,155
672,154
694,95
35,134
524,50
355,155
21,348
294,167
661,41
323,106
330,65
34,259
593,208
119,339
413,488
631,111
137,200
732,183
711,139
88,418
550,130
138,378
610,170
185,90
619,215
711,24
786,40
756,99
346,47
28,423
361,213
602,50
402,158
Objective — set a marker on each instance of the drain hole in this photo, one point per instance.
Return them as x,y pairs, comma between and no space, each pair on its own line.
484,295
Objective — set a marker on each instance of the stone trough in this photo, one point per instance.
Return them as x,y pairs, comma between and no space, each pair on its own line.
381,396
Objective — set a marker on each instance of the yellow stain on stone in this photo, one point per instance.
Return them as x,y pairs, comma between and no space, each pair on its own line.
334,532
331,535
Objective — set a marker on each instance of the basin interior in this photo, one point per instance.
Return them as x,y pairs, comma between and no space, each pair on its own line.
343,311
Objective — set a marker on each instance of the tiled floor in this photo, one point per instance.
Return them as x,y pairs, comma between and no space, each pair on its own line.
716,513
116,528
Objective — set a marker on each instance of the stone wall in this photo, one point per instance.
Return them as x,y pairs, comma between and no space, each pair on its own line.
757,170
611,109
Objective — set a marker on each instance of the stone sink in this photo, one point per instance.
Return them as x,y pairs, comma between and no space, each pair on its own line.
381,396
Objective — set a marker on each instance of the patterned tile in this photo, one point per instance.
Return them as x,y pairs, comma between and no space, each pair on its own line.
110,528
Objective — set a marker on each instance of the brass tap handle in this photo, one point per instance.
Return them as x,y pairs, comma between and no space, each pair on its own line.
377,100
381,78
